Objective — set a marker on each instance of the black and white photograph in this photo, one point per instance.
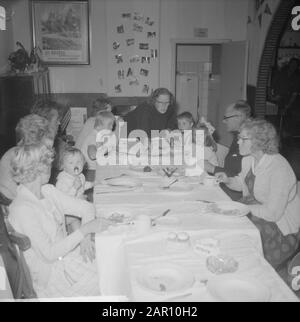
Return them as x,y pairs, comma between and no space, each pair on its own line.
149,154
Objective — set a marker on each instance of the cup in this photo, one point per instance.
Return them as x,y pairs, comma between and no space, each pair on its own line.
143,224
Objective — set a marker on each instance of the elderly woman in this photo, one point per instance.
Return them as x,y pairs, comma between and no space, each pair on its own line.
31,129
158,113
269,187
56,266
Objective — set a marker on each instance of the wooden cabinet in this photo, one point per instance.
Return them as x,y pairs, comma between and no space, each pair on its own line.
17,95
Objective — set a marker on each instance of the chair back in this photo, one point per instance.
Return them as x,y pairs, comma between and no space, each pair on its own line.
12,246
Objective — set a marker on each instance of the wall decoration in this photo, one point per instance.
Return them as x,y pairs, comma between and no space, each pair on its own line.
61,31
133,35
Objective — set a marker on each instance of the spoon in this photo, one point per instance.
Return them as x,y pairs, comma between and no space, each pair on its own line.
162,215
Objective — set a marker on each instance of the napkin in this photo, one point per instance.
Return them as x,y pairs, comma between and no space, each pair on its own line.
114,278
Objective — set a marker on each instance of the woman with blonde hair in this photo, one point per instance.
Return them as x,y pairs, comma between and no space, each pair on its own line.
30,129
269,187
55,262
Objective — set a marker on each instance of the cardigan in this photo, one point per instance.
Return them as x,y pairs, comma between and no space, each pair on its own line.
275,187
42,220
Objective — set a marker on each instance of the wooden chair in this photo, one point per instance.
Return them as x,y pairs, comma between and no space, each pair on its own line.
12,246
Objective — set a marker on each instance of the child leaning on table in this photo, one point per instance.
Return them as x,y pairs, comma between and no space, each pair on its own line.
71,179
186,122
102,137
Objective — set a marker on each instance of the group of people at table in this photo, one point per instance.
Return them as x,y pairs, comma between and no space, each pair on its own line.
61,257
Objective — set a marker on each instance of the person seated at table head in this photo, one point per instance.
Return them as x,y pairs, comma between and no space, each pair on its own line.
157,113
99,105
30,129
269,187
71,179
56,265
104,122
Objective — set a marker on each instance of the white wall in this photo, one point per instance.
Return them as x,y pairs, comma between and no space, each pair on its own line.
225,19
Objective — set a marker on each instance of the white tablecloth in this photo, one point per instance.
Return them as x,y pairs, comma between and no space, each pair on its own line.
237,236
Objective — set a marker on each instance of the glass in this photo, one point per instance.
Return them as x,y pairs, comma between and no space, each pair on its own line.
229,117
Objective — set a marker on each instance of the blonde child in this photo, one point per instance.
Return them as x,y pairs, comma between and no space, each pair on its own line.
71,180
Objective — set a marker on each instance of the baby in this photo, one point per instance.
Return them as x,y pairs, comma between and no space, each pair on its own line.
71,180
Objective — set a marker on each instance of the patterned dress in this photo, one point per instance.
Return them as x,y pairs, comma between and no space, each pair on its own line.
277,247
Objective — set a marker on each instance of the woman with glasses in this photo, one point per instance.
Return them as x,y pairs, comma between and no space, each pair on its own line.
269,187
158,113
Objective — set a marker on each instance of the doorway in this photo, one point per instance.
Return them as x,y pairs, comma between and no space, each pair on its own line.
207,77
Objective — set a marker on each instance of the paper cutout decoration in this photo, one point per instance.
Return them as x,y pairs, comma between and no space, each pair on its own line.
259,19
145,89
249,20
130,41
126,15
144,72
154,53
137,16
261,2
149,22
134,82
119,58
129,72
120,29
267,10
121,74
144,46
118,88
151,34
135,59
137,27
116,45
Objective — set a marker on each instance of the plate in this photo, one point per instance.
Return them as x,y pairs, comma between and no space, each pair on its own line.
228,208
164,278
123,181
233,288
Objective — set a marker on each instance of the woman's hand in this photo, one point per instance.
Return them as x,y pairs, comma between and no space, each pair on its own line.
222,177
87,249
94,226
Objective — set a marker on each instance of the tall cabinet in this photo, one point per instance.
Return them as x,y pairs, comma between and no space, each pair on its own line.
18,93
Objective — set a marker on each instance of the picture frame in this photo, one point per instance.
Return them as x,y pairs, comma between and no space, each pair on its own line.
61,31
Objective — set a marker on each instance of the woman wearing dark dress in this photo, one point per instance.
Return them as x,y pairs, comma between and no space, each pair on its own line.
158,113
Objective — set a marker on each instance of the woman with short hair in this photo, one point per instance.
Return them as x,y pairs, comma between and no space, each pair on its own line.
269,187
56,265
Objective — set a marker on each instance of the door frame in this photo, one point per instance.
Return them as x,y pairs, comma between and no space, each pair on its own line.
187,41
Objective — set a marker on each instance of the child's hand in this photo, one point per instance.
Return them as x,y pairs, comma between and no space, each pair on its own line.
92,151
77,183
222,177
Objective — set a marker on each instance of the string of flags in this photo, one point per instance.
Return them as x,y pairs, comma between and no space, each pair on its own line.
259,13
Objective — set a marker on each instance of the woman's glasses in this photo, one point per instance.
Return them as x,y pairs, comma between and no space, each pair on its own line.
229,117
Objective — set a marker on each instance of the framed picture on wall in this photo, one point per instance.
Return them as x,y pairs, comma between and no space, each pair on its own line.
60,30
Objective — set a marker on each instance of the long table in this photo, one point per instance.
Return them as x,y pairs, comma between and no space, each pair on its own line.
122,255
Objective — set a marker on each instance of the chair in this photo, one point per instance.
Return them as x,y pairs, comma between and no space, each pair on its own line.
221,153
12,246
